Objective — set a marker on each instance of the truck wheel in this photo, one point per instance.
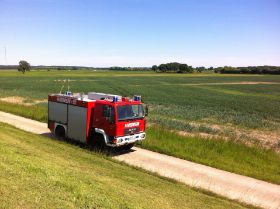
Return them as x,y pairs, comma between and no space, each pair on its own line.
98,141
60,131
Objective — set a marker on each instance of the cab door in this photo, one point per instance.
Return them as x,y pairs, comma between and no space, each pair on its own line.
104,118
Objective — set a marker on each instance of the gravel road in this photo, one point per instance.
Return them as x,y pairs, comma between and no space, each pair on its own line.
230,185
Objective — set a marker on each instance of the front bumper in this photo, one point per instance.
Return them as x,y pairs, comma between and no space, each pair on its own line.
124,140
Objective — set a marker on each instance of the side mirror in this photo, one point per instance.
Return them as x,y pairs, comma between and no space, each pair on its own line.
109,114
111,120
106,112
146,110
111,117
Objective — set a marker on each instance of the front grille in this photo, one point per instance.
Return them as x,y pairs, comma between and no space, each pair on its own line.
130,131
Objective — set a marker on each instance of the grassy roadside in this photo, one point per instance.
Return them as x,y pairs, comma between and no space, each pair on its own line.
226,155
37,172
39,113
231,156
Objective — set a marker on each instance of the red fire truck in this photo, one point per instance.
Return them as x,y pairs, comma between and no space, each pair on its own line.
97,118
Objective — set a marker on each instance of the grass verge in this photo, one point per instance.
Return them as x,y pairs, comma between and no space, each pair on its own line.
226,155
36,112
38,172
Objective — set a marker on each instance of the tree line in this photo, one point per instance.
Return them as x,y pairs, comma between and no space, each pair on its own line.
274,70
116,68
175,67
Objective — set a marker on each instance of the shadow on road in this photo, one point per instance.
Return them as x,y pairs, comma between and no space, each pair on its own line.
109,151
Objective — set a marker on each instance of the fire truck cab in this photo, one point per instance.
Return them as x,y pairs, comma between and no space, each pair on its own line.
97,118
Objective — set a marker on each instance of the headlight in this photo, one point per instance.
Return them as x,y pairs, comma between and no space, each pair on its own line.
142,136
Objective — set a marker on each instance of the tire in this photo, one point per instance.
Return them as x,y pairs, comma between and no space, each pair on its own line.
60,131
98,141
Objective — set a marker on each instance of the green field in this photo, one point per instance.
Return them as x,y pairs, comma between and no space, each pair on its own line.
37,172
194,103
183,97
239,108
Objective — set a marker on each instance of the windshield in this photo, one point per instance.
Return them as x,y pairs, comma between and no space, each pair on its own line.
128,112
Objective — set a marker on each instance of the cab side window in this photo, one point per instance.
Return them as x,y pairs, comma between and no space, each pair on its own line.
108,113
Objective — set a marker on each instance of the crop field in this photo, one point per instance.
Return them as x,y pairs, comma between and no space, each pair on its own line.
203,103
210,112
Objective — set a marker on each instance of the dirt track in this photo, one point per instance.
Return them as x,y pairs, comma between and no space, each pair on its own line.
224,183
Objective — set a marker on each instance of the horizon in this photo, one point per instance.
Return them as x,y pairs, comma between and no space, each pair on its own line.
140,33
97,67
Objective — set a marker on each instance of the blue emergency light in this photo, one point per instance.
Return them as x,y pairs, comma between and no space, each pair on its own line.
137,98
115,99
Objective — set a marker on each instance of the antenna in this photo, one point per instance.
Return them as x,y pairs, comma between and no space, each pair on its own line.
68,84
61,88
63,81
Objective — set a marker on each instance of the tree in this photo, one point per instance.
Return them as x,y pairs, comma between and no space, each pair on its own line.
173,67
155,68
200,69
23,66
163,68
211,68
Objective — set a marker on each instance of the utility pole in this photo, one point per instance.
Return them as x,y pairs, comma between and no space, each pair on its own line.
5,54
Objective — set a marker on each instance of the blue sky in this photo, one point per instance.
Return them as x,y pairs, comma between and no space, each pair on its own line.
140,32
